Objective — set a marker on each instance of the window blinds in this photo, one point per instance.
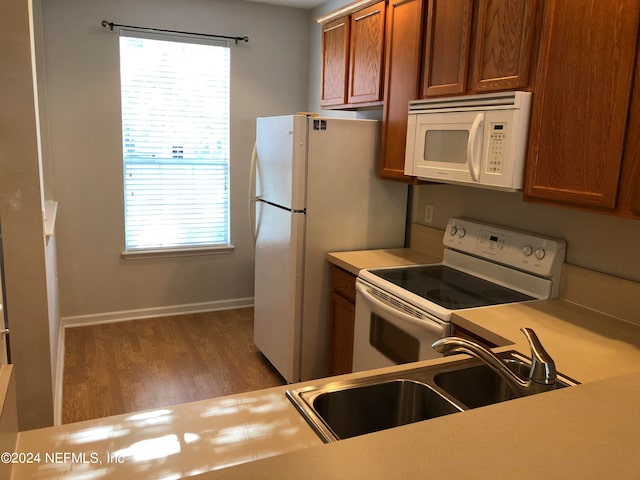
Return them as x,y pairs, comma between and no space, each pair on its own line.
175,128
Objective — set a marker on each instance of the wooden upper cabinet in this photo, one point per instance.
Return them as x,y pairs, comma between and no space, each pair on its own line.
352,58
629,193
335,60
503,44
402,70
366,54
476,47
634,199
446,47
581,100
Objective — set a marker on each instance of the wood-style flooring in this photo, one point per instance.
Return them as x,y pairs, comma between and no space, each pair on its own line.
135,365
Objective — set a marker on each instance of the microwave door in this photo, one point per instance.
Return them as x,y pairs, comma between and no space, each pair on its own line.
448,147
474,147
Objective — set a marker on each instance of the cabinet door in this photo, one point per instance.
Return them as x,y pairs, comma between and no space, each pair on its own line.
344,283
503,44
447,39
634,205
402,60
629,195
582,93
366,54
343,314
335,58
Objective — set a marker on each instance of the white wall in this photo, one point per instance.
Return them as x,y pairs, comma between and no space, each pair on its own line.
27,261
598,242
269,77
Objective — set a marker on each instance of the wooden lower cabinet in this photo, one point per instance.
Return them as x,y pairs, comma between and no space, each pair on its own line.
461,332
343,314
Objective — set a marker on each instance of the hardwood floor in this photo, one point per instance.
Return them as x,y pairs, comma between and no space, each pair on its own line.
129,366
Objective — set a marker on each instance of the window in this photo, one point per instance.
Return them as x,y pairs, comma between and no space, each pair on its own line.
175,130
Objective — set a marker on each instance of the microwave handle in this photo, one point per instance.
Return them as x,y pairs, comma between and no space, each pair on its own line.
473,158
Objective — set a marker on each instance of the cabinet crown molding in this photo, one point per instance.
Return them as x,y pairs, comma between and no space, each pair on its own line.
346,10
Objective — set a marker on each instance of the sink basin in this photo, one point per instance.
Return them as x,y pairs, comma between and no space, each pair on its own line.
369,408
337,413
342,409
479,385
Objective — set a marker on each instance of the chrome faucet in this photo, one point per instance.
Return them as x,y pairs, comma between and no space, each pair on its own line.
542,376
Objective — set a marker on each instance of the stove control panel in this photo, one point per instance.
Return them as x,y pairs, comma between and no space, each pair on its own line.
525,251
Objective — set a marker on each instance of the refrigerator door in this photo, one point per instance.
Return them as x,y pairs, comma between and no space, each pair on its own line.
348,208
281,145
278,287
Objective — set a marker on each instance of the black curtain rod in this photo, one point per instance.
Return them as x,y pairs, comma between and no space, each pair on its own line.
106,24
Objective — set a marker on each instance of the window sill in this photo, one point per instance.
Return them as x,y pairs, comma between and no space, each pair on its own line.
176,252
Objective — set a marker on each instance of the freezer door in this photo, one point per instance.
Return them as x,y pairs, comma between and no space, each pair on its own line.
278,287
281,145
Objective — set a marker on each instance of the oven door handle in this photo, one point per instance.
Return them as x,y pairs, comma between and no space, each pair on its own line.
430,324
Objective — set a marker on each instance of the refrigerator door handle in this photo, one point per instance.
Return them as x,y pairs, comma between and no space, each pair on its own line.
252,190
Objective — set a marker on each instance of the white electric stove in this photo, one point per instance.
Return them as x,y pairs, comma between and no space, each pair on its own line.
401,311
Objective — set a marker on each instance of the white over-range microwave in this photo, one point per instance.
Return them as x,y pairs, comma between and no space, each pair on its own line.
477,140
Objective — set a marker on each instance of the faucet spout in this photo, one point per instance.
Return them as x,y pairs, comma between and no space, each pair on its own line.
542,376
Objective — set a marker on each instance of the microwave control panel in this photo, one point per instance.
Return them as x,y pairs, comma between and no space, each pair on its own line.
497,148
525,251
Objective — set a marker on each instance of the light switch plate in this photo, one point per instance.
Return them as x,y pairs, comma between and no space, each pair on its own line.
428,213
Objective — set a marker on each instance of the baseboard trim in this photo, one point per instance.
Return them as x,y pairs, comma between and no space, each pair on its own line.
125,315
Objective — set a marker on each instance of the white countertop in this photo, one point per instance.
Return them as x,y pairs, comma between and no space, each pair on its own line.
590,431
172,442
353,262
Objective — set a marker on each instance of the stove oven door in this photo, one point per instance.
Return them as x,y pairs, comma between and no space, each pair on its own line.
389,332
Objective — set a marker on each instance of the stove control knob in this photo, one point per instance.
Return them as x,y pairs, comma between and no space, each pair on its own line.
461,232
453,230
540,253
527,250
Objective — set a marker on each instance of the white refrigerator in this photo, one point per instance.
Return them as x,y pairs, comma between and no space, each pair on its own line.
317,191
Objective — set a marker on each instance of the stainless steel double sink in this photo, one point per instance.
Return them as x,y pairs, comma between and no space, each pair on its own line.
344,409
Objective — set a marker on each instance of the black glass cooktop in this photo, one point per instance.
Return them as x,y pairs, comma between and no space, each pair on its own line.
450,288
